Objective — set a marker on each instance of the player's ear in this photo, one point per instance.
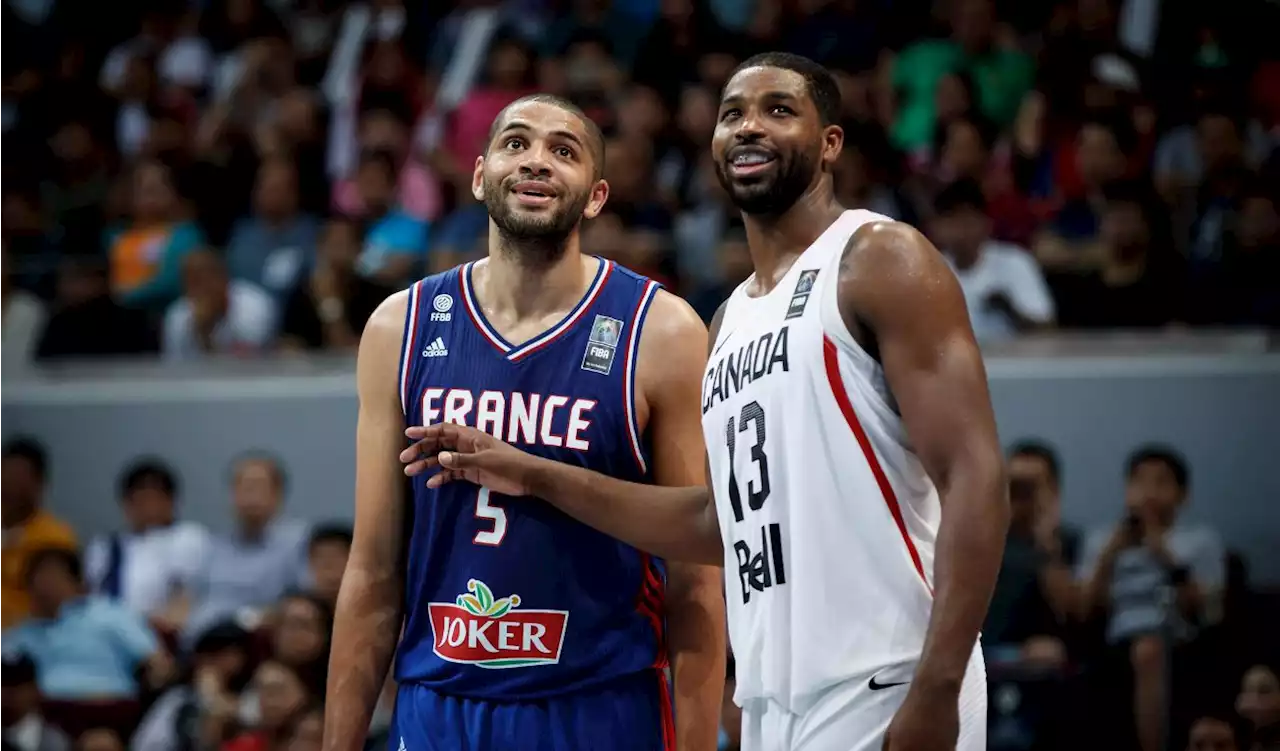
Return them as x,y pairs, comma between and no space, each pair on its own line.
832,143
595,204
477,179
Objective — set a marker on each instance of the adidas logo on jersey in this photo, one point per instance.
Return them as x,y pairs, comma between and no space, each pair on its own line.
436,349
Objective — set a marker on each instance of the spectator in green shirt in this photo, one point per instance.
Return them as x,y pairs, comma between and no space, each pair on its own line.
1002,75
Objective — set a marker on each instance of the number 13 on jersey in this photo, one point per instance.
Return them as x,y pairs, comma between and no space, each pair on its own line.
762,569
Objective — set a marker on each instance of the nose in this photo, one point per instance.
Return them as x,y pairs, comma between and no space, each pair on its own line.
749,128
536,161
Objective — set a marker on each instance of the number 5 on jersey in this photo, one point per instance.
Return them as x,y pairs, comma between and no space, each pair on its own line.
487,509
760,570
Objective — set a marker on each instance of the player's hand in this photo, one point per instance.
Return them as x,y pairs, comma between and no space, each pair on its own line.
926,721
464,453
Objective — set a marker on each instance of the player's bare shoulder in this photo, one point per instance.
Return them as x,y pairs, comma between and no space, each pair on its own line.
890,266
383,333
673,347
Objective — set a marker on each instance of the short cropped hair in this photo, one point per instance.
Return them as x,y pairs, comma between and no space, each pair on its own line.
819,83
595,137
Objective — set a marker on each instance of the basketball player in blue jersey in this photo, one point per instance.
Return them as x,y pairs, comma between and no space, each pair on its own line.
523,628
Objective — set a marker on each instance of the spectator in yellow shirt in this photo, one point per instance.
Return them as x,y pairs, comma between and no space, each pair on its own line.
27,527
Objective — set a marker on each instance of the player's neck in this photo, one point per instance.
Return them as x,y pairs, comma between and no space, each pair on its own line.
775,242
515,284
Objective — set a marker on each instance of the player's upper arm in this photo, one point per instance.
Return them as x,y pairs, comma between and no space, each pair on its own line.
670,363
379,514
895,284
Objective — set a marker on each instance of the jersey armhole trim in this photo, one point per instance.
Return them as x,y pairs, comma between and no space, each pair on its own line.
629,372
410,344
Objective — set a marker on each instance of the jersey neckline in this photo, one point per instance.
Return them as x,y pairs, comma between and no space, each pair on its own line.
514,352
795,265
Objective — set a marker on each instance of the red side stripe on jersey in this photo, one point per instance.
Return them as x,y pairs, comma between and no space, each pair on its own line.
831,359
649,603
667,708
410,344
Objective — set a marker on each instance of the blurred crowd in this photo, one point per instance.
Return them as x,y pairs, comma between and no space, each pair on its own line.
237,177
166,636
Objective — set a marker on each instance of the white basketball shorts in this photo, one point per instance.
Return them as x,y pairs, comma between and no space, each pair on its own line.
854,717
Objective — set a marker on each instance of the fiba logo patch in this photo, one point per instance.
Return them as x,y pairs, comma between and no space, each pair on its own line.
442,304
602,345
800,298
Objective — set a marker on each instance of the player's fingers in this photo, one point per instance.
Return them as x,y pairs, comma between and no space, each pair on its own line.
418,466
420,450
454,461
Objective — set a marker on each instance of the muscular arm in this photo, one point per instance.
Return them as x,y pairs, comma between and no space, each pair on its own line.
367,618
895,287
695,599
676,523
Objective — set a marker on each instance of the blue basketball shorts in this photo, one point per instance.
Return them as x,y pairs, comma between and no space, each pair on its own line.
634,713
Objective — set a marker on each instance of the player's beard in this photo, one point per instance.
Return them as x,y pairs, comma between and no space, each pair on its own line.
771,195
536,237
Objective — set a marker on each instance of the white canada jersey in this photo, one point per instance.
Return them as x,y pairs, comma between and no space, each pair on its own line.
827,516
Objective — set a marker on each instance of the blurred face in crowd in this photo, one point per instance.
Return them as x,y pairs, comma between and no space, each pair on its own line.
328,561
735,258
1211,734
296,115
275,193
154,199
964,154
1098,156
951,98
1258,224
382,130
1153,491
281,695
1220,144
99,739
642,113
962,231
538,178
255,492
302,632
20,488
376,181
769,143
73,143
204,279
166,137
628,169
697,118
308,733
148,505
340,244
1259,699
18,701
972,22
1033,490
509,65
51,584
1123,229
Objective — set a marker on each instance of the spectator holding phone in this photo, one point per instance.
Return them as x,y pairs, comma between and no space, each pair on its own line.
1035,595
1155,578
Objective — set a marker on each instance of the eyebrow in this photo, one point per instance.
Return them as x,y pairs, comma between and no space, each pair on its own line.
525,127
769,95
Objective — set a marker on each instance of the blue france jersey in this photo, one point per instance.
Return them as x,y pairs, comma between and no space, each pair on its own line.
508,598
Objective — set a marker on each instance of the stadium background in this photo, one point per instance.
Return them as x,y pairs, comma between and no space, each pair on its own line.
202,200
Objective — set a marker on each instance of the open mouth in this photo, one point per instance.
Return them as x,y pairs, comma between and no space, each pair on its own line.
745,161
533,192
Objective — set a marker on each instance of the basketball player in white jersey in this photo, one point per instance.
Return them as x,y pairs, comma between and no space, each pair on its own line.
859,500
